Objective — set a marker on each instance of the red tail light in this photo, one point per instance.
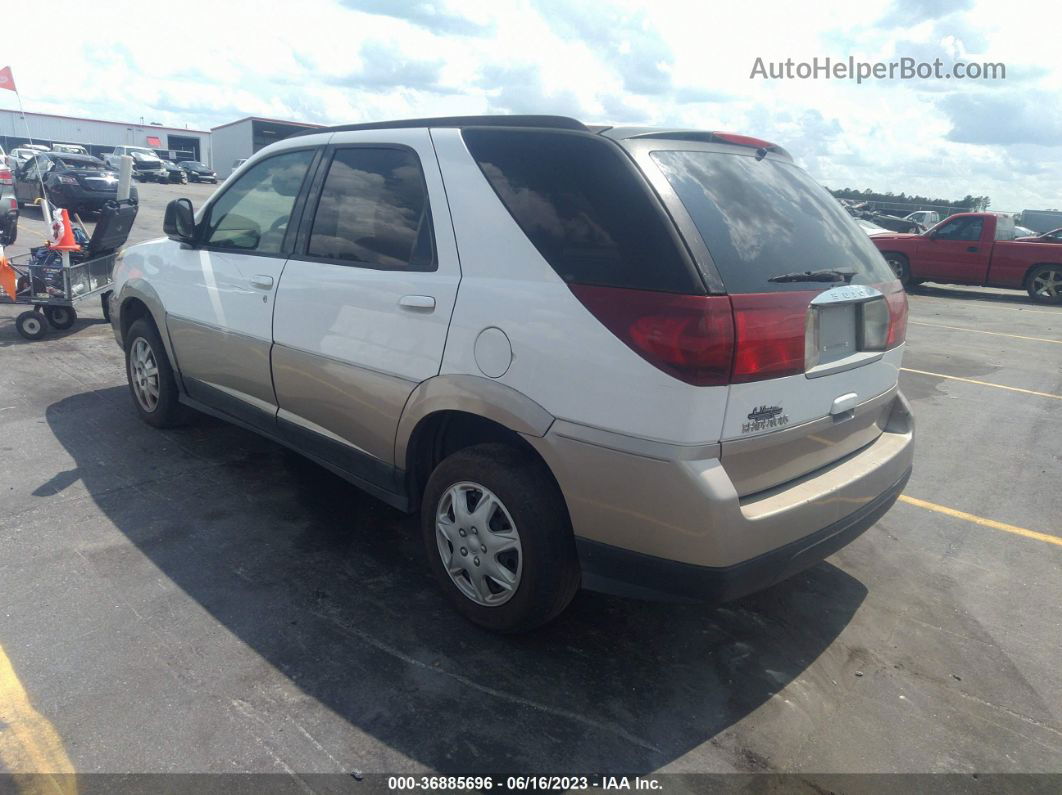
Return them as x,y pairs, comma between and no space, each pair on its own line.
897,301
743,140
688,336
769,334
716,340
5,176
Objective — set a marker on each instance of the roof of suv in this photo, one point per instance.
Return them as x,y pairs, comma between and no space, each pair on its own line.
546,122
557,123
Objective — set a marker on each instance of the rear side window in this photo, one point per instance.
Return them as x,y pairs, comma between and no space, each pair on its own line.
374,212
764,219
585,208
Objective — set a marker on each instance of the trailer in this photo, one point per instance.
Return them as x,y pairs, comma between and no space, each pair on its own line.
53,282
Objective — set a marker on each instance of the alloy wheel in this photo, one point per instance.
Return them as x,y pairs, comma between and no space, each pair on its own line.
1047,283
479,544
144,374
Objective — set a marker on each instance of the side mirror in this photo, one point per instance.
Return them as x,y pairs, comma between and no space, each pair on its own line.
179,221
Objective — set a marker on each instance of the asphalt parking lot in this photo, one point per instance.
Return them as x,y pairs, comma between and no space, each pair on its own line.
201,600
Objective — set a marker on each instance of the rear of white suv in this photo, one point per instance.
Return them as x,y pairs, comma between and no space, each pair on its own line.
657,363
718,342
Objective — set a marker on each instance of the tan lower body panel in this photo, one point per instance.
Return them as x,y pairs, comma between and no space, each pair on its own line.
361,407
236,363
690,511
761,462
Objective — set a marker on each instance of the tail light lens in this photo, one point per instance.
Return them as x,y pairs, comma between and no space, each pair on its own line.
897,318
5,176
769,334
688,336
896,298
874,326
714,340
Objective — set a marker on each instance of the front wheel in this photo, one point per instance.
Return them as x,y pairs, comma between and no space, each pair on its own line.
1044,284
498,538
900,267
151,380
60,317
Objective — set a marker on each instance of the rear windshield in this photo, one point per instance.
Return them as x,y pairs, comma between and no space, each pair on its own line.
581,203
91,164
765,219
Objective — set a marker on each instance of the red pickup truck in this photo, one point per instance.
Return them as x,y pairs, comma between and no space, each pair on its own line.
966,249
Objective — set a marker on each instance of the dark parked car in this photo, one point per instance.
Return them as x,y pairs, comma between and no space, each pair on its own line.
1054,236
79,183
198,172
171,172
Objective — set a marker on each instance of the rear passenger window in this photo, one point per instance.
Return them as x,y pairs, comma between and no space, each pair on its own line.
583,206
374,211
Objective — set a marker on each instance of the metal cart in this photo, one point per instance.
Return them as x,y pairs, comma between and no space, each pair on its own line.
53,284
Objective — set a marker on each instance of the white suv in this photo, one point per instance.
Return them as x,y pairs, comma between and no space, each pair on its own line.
650,362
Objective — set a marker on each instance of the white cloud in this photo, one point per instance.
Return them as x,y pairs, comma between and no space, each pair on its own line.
667,62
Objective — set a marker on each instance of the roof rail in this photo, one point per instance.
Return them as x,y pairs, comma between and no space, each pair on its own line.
546,122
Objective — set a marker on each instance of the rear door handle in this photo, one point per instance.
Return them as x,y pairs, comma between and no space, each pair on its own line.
971,249
262,281
417,302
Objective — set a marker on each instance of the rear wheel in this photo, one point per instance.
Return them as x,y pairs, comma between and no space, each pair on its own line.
498,538
1044,284
151,380
900,266
60,317
31,325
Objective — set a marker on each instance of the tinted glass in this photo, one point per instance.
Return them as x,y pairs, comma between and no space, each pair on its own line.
761,219
252,215
374,211
961,229
581,203
81,163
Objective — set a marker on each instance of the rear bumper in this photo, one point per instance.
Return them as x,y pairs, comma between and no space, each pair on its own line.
76,197
660,520
619,571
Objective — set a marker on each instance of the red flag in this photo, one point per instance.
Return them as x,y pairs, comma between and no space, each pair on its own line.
7,80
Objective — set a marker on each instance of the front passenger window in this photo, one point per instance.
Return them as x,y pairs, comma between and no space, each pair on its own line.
252,215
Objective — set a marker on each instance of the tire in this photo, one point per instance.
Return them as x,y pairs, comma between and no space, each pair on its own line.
900,266
105,303
542,567
31,325
60,317
161,410
1044,284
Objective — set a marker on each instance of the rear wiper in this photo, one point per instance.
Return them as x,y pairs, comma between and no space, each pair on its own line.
815,276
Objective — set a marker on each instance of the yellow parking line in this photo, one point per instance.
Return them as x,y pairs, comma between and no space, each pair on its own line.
983,383
29,744
969,517
982,331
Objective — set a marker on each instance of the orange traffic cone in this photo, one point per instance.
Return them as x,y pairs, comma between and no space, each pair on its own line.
8,278
66,242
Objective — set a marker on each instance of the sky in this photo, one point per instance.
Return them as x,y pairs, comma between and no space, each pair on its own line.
630,62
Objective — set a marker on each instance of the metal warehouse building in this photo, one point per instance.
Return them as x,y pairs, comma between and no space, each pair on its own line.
100,137
219,148
241,139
